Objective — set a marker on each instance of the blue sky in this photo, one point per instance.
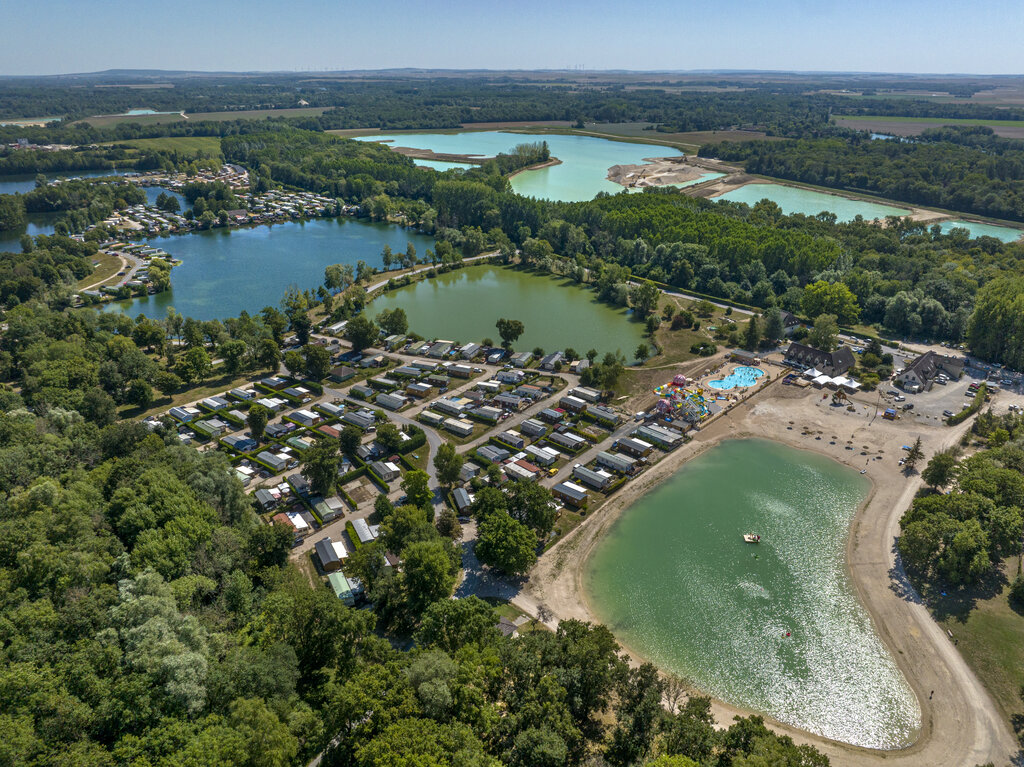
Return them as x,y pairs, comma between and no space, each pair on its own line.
937,36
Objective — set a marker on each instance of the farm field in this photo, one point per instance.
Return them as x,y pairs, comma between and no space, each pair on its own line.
100,121
208,144
914,126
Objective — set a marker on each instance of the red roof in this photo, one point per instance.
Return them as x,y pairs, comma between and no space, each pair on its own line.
282,519
528,466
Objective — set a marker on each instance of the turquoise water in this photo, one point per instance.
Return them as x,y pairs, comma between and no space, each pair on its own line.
740,378
581,175
775,627
810,203
224,271
464,305
441,164
1002,233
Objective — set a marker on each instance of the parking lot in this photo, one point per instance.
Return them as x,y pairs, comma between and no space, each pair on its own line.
929,406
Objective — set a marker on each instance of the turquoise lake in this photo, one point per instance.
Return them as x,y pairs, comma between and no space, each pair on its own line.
581,175
794,200
224,271
774,627
1002,233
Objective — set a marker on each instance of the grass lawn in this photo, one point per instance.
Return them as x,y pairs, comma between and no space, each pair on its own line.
420,457
990,636
212,386
107,266
503,609
565,524
188,144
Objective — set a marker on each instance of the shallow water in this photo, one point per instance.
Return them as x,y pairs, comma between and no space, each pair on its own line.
795,200
774,627
583,171
465,305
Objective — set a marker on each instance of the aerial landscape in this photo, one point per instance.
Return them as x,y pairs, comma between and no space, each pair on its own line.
465,385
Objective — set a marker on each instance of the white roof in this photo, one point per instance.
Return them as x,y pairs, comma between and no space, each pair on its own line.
340,550
823,379
297,520
812,373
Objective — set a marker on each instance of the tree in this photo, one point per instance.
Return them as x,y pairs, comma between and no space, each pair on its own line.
914,455
448,524
139,393
386,257
530,503
233,353
505,544
320,465
691,732
451,624
194,365
351,437
825,333
294,362
167,382
774,328
389,437
415,483
509,330
428,574
642,353
645,298
834,298
257,418
268,355
360,332
753,335
318,361
393,321
448,464
941,470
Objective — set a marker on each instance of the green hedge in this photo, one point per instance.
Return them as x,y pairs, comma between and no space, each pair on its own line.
416,440
350,531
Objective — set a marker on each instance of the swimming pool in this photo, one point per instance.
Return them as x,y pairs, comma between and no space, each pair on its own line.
740,378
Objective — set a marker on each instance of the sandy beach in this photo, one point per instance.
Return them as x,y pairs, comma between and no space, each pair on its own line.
960,724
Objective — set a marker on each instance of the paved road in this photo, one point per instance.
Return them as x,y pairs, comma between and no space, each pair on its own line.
419,270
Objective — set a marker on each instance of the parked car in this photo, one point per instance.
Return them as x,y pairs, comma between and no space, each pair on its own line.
948,413
909,406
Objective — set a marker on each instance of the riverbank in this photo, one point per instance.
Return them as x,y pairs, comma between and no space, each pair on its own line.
959,722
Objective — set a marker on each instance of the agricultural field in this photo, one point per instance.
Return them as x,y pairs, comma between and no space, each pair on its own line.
186,144
100,121
914,126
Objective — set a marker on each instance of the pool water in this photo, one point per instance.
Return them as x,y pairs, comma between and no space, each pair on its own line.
740,378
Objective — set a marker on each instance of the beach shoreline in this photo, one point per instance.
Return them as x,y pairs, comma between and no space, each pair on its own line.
961,723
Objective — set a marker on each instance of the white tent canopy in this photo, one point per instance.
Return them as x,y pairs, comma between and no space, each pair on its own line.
812,373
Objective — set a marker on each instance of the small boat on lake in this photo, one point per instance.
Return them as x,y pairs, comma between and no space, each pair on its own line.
751,538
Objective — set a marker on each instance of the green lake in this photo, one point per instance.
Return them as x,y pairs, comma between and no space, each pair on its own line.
224,271
464,305
774,627
809,202
582,173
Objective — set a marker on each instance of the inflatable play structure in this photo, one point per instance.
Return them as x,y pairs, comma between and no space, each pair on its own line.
679,401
